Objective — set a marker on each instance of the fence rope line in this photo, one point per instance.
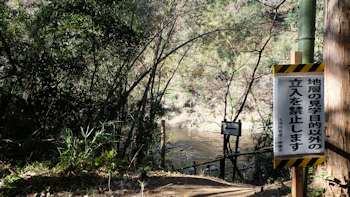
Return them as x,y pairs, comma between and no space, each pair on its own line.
228,156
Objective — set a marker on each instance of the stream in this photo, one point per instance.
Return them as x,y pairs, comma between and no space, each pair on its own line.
186,146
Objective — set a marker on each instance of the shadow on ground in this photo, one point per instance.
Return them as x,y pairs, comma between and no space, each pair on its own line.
161,184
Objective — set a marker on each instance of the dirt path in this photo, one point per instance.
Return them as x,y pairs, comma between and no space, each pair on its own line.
195,186
200,186
158,184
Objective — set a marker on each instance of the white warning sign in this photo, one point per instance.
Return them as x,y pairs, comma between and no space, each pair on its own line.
298,115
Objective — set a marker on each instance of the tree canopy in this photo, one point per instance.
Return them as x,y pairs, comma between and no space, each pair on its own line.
76,64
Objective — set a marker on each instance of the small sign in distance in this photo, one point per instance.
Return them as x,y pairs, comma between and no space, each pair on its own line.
231,128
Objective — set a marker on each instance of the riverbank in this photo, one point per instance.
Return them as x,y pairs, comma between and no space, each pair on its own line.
200,119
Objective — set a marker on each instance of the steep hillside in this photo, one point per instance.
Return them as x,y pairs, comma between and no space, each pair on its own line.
216,71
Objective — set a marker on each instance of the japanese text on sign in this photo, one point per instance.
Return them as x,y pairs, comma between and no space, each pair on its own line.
298,115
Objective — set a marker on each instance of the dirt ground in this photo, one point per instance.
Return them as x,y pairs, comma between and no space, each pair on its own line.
157,184
199,186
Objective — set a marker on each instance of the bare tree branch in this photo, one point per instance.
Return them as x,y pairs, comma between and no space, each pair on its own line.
257,64
166,86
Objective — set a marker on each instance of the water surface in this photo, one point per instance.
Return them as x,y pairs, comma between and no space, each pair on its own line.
185,146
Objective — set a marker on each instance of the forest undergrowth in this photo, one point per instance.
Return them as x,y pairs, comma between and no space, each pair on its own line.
83,84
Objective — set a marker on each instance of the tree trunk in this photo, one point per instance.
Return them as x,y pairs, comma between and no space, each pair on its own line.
337,94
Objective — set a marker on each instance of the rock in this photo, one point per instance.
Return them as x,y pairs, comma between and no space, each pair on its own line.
214,167
170,145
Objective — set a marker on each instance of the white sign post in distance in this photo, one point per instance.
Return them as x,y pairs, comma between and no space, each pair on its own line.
231,128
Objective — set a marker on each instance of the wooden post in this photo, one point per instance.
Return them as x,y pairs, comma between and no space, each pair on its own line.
222,161
114,139
297,172
235,164
222,168
297,181
194,167
162,142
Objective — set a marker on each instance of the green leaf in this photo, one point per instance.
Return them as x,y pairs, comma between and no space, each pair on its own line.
7,140
11,187
65,152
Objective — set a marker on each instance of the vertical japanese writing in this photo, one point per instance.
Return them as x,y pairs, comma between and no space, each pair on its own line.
280,135
295,113
299,115
314,112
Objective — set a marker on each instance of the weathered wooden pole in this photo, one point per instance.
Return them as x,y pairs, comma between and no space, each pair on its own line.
194,167
297,172
162,142
222,161
306,43
235,162
236,151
